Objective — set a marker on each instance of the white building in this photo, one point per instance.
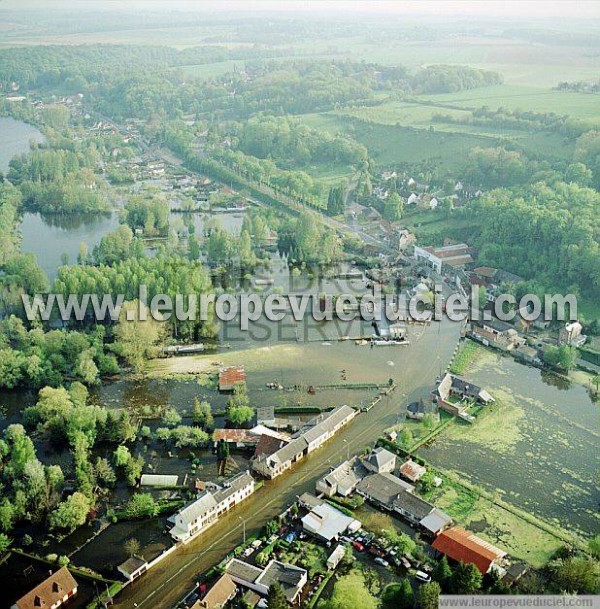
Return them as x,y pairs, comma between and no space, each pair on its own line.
327,523
197,516
335,557
321,429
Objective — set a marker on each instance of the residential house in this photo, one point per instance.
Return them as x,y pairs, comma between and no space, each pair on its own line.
200,514
453,394
291,578
221,592
51,593
133,568
497,333
412,508
333,560
572,335
380,461
343,479
317,432
412,471
382,489
326,523
413,199
527,354
435,522
455,255
418,410
228,377
464,546
401,238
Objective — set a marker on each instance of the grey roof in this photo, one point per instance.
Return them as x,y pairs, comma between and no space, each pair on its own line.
347,473
242,570
384,488
289,576
232,485
435,521
326,522
413,505
381,457
309,500
497,324
288,452
197,508
131,565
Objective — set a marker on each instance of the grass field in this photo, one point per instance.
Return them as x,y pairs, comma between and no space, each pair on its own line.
210,70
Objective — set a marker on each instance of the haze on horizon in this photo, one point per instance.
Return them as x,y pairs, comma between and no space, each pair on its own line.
517,9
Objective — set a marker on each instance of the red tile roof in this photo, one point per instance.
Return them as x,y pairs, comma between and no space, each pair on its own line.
228,377
50,591
464,546
243,436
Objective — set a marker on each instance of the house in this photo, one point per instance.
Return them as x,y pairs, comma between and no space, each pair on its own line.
333,560
316,433
455,255
326,523
133,568
412,471
380,461
51,593
221,592
228,377
433,203
388,175
452,392
572,335
413,199
401,238
291,578
527,354
342,480
464,546
412,508
265,415
240,438
498,334
435,522
267,445
200,514
382,489
418,410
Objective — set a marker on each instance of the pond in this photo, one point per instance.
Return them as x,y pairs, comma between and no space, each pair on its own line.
15,137
540,447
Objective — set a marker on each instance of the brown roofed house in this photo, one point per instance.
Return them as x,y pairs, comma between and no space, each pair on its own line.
222,591
51,593
464,546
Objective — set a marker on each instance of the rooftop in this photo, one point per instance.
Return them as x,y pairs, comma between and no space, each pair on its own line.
464,546
381,457
131,565
384,488
289,576
326,522
222,591
413,505
435,521
51,590
228,377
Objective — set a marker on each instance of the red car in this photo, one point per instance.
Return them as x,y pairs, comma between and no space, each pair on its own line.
358,546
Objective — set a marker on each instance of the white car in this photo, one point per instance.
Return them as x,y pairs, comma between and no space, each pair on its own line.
423,576
382,561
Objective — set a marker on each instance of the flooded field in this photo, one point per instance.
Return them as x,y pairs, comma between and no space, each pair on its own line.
537,446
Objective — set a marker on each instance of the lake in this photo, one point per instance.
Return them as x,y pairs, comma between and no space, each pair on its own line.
15,137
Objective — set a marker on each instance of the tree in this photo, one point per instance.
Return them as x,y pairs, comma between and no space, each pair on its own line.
562,357
71,513
428,595
137,334
406,438
594,546
576,575
133,470
350,592
132,547
442,574
121,456
239,410
276,597
105,474
427,481
4,543
203,416
141,505
466,579
171,417
398,596
393,208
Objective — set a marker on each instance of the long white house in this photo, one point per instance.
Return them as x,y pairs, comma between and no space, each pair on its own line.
205,511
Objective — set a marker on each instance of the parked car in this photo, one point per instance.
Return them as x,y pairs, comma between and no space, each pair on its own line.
248,551
358,546
382,562
375,551
290,537
405,562
257,543
345,539
423,576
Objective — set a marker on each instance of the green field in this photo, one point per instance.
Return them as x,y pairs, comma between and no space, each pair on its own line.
210,70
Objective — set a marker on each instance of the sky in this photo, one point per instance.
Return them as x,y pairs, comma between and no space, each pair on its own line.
581,9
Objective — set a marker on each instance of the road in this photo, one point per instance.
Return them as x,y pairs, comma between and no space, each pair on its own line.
415,371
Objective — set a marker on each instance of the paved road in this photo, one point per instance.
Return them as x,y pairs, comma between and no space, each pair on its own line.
414,372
